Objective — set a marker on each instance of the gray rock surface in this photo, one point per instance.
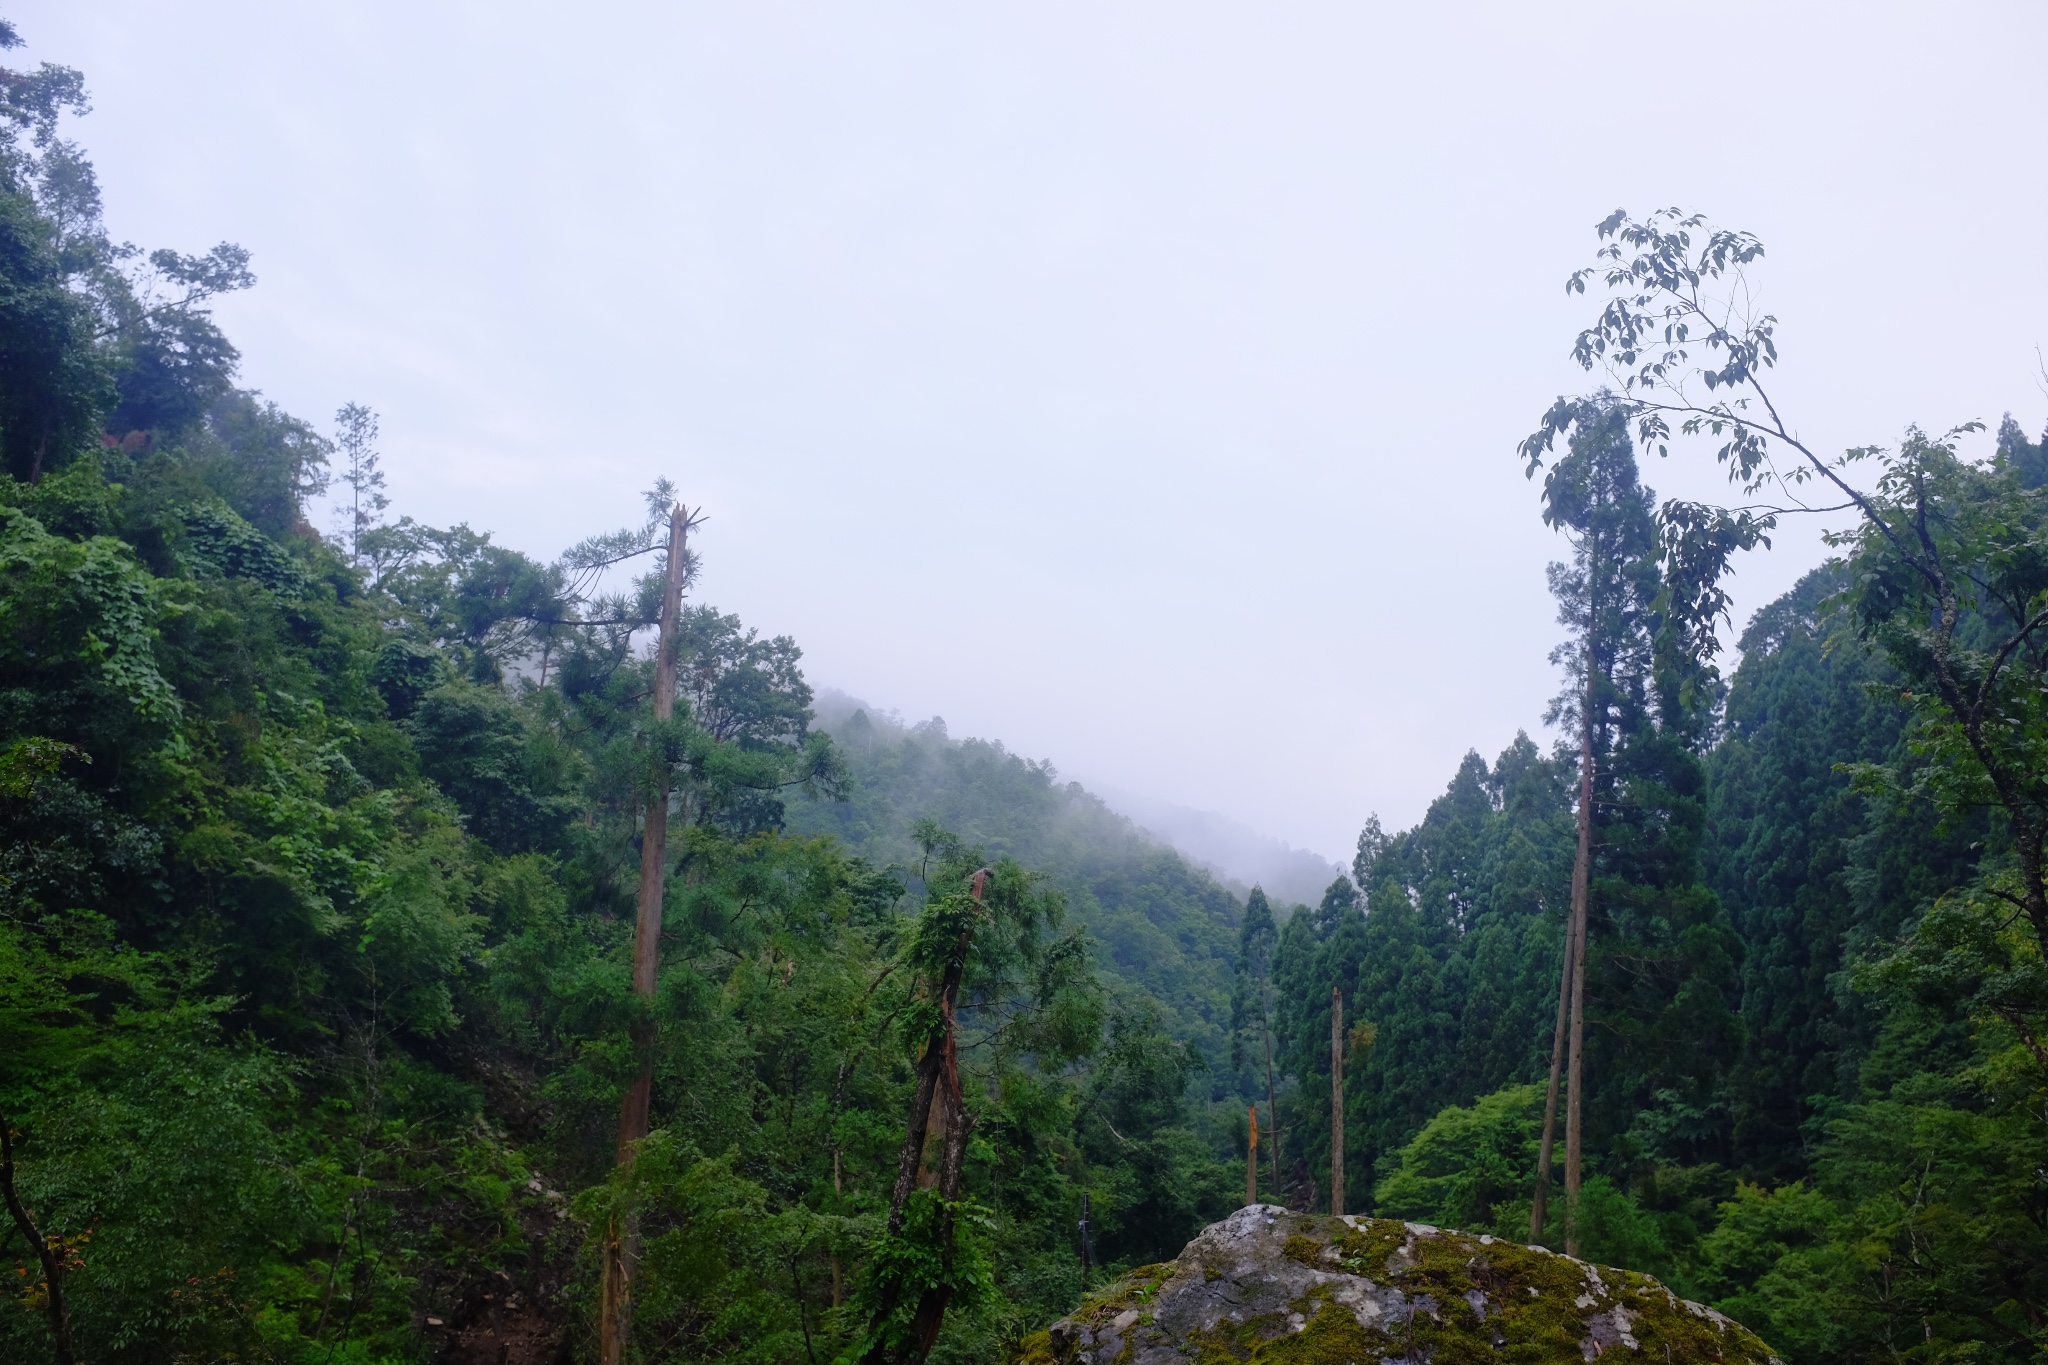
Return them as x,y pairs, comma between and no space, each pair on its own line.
1267,1285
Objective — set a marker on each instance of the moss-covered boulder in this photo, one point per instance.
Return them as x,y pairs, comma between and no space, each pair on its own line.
1269,1286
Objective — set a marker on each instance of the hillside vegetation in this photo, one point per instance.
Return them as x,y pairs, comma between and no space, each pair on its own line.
388,974
1165,930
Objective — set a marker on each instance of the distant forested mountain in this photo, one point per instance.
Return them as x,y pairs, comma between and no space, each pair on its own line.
1167,931
1239,856
412,950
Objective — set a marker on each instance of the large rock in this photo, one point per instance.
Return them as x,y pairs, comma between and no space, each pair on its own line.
1265,1285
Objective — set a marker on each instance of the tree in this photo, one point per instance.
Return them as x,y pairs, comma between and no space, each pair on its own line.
1251,1007
988,934
1949,571
1605,597
1642,593
93,334
620,1241
355,432
55,380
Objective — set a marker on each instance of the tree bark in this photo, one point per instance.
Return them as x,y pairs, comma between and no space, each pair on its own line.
1575,1086
1272,1104
1251,1158
52,1259
838,1291
621,1240
1336,1100
931,1309
35,473
938,1077
1567,994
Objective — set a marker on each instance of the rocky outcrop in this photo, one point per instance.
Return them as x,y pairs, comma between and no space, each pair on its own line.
1268,1286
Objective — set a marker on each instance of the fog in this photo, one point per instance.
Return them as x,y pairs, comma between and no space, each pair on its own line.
1137,384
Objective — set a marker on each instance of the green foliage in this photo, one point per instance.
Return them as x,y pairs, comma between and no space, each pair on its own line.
1453,963
317,879
317,875
1467,1162
1164,927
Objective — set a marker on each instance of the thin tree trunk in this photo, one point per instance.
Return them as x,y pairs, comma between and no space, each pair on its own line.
1336,1100
35,473
910,1157
1575,927
1251,1158
938,1077
931,1309
1538,1208
838,1294
1272,1104
52,1260
1575,1085
621,1240
1087,1241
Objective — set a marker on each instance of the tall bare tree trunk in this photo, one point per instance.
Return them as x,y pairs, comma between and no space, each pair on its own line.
938,1079
1582,876
1251,1158
931,1309
1574,1085
1336,1100
1570,980
838,1290
1272,1104
35,473
622,1236
1538,1206
52,1258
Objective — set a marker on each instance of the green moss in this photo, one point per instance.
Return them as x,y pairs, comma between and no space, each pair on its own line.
1035,1349
1230,1343
1331,1337
1306,1250
1530,1311
1365,1249
1468,1302
1132,1289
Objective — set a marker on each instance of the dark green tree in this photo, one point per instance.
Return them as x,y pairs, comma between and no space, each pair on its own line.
1251,1011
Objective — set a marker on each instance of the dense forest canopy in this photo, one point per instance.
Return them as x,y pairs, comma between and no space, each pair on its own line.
325,879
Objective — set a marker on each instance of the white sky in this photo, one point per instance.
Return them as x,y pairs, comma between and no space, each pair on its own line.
1135,383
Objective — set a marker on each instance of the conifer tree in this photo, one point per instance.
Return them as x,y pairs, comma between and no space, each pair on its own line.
1638,694
362,473
1605,597
1251,1006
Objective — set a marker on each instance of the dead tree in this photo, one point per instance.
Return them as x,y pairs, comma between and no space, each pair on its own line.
1272,1094
1336,1100
938,1083
621,1238
1251,1158
1569,1034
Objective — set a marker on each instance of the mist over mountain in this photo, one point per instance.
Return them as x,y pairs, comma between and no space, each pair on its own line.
414,950
1235,854
1241,857
1165,929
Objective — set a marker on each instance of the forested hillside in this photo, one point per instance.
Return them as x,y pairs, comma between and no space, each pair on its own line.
1814,1085
323,856
1166,930
414,950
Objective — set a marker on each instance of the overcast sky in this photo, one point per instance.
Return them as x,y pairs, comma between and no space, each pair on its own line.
1135,383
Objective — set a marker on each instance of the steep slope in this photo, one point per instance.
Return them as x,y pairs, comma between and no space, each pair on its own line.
1167,930
1239,856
